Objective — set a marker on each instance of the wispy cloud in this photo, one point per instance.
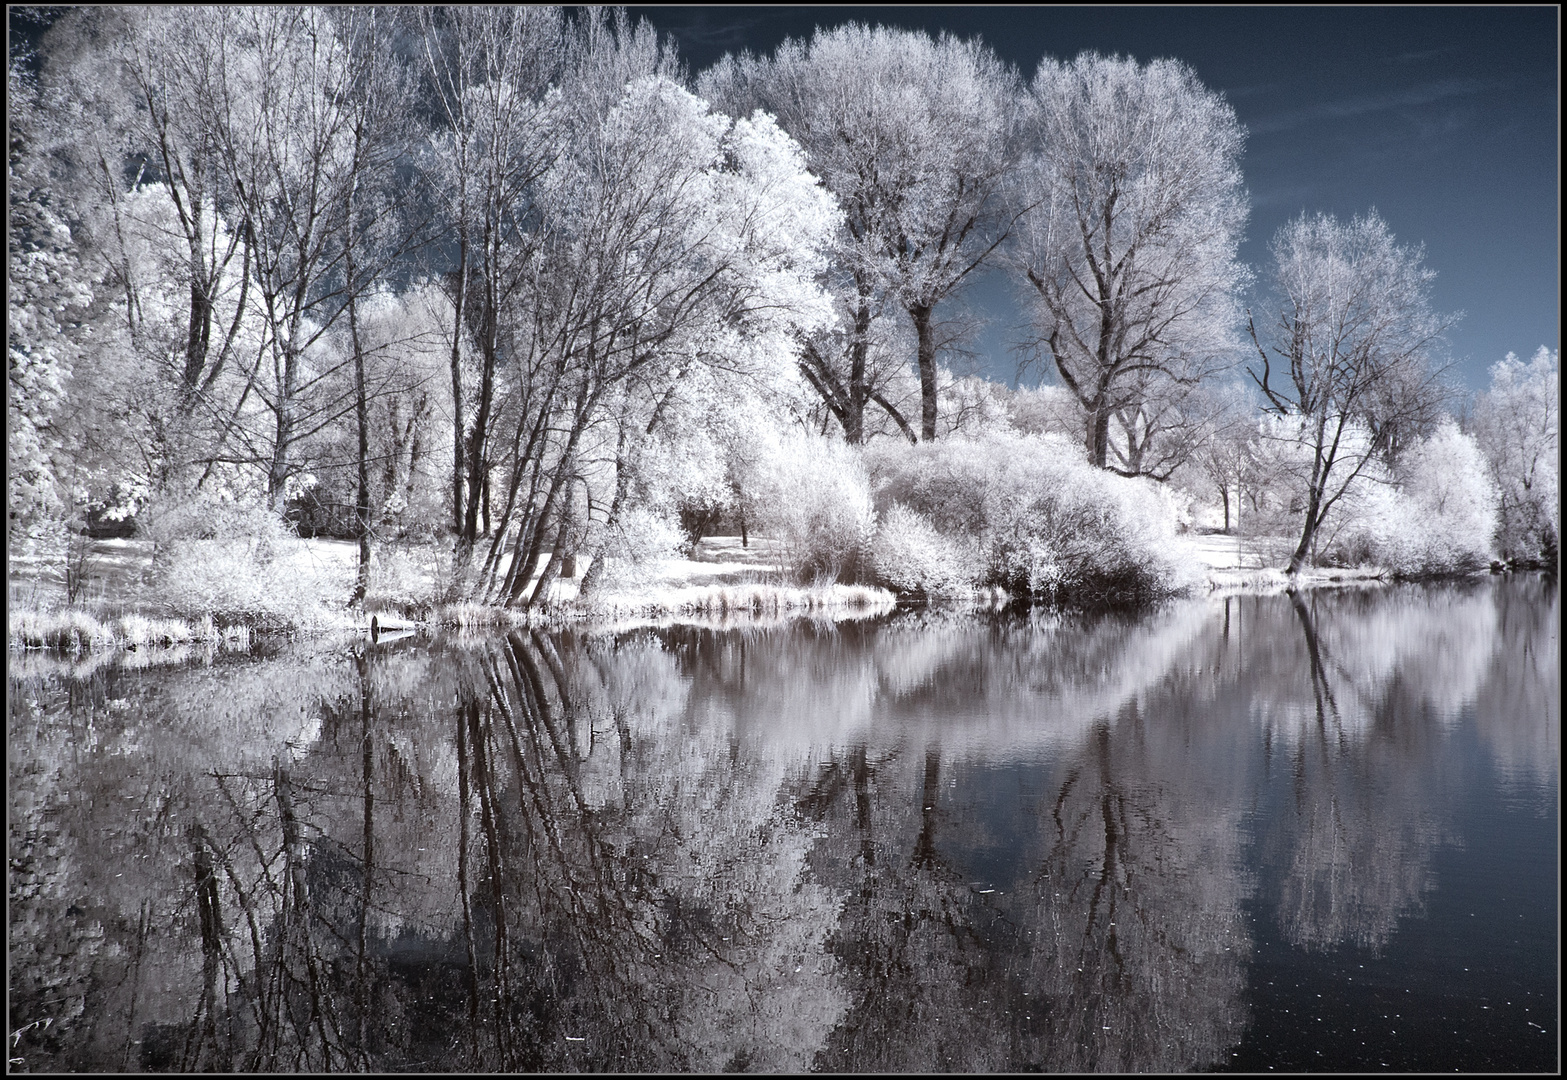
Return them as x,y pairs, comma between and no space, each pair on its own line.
1362,105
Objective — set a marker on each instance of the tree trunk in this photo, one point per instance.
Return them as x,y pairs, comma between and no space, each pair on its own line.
1098,442
456,362
859,393
595,573
362,409
927,358
486,491
477,467
277,470
1307,534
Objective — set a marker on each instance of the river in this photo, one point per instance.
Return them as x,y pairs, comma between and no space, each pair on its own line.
1298,832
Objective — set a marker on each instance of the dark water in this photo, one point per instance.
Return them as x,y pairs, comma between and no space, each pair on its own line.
1250,834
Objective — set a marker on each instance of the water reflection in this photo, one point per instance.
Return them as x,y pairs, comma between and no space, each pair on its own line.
927,841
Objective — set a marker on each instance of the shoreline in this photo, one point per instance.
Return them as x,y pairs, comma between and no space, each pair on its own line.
726,581
75,631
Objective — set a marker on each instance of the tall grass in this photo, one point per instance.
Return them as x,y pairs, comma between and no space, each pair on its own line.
758,598
75,631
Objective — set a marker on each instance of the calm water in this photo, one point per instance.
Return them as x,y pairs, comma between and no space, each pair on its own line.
1262,832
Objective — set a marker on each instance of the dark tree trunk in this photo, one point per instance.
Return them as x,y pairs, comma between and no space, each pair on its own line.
1308,533
362,410
199,334
477,467
456,363
1098,436
925,335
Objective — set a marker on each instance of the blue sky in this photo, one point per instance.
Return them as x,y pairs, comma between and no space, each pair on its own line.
1443,119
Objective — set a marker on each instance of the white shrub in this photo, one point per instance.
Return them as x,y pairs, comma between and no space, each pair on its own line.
1037,516
909,555
1444,517
812,493
641,536
233,558
1517,423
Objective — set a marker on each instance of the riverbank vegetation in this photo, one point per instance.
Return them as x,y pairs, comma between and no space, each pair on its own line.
523,310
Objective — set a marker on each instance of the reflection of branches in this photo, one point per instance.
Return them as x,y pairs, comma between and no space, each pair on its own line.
1355,868
1320,689
906,939
1138,947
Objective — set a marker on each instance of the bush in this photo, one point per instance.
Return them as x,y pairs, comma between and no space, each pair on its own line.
1517,424
812,494
235,560
639,538
1442,518
1035,516
910,556
408,578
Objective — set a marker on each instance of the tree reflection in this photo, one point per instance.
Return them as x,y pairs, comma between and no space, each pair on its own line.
1387,673
925,841
1519,705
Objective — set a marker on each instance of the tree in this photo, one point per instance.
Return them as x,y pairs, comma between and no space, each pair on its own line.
1166,427
288,130
169,63
49,288
488,71
1222,458
1357,339
1133,210
916,139
668,235
378,112
1517,423
1444,518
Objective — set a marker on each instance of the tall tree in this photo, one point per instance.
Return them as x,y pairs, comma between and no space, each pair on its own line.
1356,341
374,237
49,289
284,113
1133,211
916,138
145,176
671,236
488,71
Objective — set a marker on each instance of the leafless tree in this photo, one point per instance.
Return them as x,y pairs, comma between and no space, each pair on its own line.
1356,339
1127,245
281,114
917,140
487,69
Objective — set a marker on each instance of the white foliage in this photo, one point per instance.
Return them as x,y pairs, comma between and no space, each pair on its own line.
1039,517
1443,518
634,542
1136,208
1517,423
911,556
812,493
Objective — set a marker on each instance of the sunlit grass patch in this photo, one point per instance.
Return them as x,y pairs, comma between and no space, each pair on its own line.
760,598
140,631
68,629
474,617
75,631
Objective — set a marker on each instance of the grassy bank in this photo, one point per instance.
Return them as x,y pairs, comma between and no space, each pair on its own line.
75,631
121,603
